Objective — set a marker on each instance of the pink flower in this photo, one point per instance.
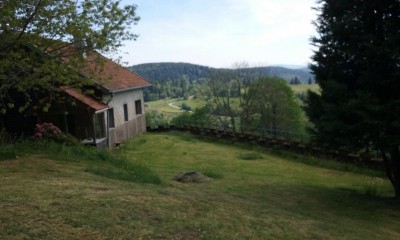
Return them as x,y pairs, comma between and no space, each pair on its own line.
38,135
46,130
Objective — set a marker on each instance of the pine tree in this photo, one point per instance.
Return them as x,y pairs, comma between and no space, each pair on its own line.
357,65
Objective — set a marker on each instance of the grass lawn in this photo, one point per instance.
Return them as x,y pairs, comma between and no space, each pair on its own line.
303,88
193,103
164,105
255,195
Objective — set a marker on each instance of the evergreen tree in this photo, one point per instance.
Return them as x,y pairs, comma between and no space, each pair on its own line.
357,67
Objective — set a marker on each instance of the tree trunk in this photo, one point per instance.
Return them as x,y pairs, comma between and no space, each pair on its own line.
392,167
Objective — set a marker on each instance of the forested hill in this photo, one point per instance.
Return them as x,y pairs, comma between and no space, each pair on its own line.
181,79
160,72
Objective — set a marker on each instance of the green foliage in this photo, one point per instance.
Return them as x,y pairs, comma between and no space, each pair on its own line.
273,106
186,107
38,37
294,81
49,131
171,80
223,92
200,117
155,119
356,66
181,80
4,137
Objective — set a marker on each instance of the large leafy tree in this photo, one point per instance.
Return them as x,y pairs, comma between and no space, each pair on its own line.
273,106
357,65
222,91
37,38
226,92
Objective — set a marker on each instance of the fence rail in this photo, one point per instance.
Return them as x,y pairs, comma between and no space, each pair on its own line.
259,132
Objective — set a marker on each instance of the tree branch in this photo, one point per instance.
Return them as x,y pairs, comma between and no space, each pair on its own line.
28,21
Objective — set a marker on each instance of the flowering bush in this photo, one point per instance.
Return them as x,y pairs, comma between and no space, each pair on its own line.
47,130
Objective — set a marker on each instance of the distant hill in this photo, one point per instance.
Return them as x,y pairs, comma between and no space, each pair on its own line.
160,72
180,79
175,71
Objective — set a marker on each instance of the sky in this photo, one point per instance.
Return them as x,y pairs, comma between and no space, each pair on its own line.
220,33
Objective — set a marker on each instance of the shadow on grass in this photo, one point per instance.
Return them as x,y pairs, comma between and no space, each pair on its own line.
327,163
323,203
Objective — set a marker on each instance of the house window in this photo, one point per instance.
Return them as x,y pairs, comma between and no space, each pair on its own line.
111,122
126,112
138,107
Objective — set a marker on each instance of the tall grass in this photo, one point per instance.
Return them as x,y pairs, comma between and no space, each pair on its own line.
102,162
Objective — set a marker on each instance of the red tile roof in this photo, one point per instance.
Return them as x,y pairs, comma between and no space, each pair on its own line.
111,75
95,105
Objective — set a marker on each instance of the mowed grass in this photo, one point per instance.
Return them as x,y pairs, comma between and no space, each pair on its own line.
162,106
255,195
303,88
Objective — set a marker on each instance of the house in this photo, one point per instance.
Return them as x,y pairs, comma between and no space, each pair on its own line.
118,112
113,113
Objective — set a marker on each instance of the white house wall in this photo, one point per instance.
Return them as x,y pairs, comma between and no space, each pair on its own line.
135,125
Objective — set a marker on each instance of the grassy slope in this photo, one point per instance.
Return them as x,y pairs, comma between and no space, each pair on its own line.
305,87
266,198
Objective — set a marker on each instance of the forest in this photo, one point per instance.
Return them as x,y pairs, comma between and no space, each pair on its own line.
180,80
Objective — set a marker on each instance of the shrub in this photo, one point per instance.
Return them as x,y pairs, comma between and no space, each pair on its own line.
186,107
4,137
155,119
52,132
47,130
199,117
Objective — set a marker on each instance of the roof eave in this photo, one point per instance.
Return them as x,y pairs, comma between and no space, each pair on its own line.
127,89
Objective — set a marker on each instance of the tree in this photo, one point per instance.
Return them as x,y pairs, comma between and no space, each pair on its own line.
185,87
356,64
37,37
226,90
274,105
222,90
295,81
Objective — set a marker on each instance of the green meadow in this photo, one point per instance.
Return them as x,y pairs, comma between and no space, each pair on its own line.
164,105
52,191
